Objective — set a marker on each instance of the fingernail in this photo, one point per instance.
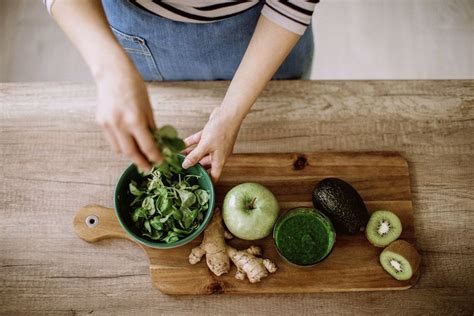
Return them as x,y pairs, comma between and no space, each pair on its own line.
186,164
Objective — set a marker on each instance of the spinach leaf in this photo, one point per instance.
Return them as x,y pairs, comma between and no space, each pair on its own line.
149,205
134,190
167,131
187,198
147,226
165,219
171,237
156,224
177,215
138,214
202,196
163,203
189,217
175,144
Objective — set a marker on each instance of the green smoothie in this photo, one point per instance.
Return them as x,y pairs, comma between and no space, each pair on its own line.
304,236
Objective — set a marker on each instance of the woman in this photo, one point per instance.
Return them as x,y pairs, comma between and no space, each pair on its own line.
247,42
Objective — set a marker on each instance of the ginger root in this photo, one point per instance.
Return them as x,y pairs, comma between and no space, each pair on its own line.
218,254
213,246
249,264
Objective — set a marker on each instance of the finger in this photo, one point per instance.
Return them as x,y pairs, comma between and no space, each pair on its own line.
217,165
187,150
130,148
146,143
190,141
194,156
206,161
151,120
193,139
109,135
149,114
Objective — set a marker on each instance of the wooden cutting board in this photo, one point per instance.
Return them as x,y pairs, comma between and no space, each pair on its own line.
382,179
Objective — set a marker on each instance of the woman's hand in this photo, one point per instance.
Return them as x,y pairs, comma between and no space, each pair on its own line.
214,143
124,110
125,114
269,46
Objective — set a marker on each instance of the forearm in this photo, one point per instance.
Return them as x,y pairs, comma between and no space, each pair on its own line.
268,48
123,107
85,23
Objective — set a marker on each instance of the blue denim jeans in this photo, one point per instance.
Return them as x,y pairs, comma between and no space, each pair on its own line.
163,49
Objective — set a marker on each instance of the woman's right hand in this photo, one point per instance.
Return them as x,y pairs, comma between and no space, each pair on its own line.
124,112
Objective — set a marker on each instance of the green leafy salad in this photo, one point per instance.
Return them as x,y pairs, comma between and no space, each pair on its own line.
168,204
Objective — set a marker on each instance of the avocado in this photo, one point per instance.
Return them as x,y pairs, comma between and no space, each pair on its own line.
342,204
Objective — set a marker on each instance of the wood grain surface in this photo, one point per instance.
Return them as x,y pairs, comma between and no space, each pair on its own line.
54,160
381,178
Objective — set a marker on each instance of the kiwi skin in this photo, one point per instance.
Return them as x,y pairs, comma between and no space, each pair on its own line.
407,251
378,241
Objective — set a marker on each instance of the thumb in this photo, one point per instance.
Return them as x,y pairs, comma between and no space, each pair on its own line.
194,156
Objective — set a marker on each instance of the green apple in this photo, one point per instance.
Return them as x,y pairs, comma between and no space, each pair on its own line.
250,211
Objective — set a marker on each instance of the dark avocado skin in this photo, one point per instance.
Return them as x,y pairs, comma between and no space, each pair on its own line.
342,204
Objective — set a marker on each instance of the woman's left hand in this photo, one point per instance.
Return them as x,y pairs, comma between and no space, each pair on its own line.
214,143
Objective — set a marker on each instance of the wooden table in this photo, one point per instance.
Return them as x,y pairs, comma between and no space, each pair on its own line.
54,160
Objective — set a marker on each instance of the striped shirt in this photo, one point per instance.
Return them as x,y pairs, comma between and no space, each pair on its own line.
293,15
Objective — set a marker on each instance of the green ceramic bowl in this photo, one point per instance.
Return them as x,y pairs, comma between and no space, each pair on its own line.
123,199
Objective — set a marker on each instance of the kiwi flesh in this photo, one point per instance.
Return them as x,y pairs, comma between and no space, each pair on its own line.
401,260
383,228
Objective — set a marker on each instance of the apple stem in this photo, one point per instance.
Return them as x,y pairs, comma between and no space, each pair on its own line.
251,204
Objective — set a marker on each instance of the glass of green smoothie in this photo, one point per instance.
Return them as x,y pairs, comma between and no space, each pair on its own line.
304,236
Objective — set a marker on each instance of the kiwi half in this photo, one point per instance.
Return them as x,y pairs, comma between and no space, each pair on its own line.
401,260
383,228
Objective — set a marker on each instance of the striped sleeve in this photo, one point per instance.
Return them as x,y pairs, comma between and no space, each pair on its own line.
48,4
293,15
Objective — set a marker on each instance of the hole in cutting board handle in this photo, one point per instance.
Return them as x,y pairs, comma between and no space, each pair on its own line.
95,222
92,221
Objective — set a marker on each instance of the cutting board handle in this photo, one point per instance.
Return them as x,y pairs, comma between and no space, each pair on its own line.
95,222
